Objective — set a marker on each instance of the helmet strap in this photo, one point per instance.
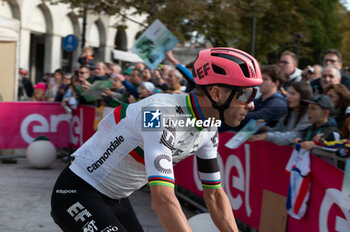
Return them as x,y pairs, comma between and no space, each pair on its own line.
220,108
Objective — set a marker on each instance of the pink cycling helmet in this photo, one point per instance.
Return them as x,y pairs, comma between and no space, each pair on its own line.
227,66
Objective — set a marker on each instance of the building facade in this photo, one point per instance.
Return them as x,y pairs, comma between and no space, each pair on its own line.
43,27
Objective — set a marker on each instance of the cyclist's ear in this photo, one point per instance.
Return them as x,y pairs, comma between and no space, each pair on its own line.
216,92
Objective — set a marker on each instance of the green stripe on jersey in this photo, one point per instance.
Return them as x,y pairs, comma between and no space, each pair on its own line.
211,186
123,110
163,183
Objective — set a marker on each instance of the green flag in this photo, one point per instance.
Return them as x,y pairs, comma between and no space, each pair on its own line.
94,92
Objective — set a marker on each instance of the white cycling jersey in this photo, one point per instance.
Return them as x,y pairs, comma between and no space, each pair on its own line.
125,153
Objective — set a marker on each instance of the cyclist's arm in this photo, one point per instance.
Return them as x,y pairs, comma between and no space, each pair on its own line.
159,168
168,209
214,196
220,209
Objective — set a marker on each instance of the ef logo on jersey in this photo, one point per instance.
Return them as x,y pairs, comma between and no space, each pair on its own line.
152,118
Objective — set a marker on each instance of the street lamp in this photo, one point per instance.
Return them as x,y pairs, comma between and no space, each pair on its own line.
298,37
83,33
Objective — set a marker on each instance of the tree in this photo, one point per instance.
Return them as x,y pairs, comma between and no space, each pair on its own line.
345,45
307,26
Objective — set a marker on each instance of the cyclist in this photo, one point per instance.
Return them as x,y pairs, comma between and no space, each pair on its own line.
138,143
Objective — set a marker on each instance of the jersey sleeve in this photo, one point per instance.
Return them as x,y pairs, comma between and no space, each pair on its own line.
207,163
158,157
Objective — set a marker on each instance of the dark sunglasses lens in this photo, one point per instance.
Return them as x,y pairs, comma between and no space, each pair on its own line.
252,96
247,95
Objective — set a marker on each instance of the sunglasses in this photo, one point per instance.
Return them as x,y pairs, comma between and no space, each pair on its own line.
82,73
246,95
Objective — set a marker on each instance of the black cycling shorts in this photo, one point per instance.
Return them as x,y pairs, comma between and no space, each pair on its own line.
77,206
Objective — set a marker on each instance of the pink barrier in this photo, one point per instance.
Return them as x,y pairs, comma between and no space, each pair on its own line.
253,167
246,171
21,122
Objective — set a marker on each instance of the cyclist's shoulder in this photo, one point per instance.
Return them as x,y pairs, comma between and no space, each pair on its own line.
166,98
161,100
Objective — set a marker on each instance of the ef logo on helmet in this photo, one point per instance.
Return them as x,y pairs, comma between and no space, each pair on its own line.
203,71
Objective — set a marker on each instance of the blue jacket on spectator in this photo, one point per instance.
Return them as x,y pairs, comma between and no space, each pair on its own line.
188,75
131,89
271,110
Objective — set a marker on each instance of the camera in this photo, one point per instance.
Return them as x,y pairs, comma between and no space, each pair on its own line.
310,70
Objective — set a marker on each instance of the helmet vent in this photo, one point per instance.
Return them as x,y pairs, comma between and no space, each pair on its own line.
245,70
240,62
218,69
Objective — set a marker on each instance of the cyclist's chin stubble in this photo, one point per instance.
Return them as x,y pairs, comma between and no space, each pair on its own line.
234,122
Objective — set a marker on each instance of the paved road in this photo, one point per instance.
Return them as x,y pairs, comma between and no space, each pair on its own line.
25,199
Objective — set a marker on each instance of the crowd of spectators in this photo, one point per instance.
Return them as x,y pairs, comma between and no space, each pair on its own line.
128,84
318,103
297,105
